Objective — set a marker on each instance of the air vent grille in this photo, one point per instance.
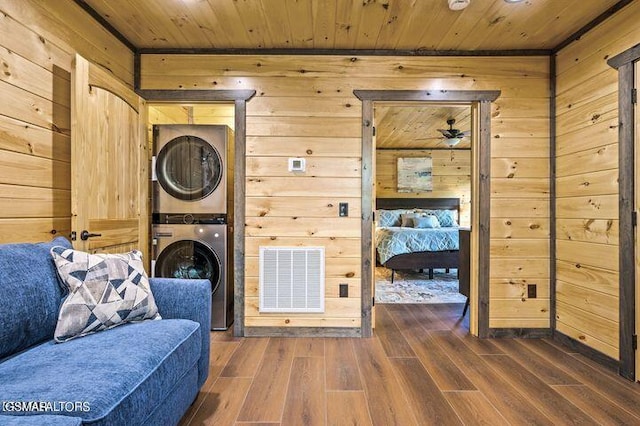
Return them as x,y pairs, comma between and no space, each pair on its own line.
291,279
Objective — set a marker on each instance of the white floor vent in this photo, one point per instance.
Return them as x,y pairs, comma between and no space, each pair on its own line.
291,279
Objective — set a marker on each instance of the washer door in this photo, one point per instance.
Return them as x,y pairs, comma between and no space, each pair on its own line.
187,259
189,168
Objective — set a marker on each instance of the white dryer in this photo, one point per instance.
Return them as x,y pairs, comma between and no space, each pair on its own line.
190,168
197,251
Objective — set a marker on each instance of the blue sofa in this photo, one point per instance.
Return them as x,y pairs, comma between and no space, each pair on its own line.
145,373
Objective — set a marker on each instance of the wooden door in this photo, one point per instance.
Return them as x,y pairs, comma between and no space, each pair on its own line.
109,163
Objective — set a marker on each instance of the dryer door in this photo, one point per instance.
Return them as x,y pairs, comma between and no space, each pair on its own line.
187,259
189,168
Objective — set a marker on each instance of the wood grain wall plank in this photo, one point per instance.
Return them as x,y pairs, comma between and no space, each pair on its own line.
300,206
596,183
595,302
31,202
599,255
594,207
302,227
23,169
590,160
520,228
603,231
302,186
33,230
588,276
18,136
303,146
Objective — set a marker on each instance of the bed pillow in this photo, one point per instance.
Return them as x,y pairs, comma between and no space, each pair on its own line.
387,218
105,290
428,221
447,218
406,219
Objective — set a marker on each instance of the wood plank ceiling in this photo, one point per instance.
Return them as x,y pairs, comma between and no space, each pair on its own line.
416,126
348,24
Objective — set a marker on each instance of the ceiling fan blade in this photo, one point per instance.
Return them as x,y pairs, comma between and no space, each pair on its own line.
434,138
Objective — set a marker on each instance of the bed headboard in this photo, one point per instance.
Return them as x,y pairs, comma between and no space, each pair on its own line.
419,203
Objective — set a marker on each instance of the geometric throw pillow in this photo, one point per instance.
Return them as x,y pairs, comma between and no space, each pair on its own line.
388,218
105,290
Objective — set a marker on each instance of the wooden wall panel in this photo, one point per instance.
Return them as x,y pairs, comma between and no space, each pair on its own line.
451,176
587,186
67,26
38,41
312,113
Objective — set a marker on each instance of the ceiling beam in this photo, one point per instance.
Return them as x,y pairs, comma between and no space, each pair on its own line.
344,52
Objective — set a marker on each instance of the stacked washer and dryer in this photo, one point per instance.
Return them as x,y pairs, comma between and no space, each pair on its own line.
191,210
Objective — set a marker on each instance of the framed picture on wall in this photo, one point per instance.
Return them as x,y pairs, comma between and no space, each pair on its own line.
415,174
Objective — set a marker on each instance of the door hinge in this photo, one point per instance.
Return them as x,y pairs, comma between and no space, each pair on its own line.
634,96
374,129
634,218
73,236
373,301
635,342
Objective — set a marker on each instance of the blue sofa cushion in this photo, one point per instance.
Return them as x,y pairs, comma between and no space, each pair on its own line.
105,290
39,420
121,374
31,295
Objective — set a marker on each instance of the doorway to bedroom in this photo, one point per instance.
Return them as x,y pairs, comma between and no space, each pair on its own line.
422,178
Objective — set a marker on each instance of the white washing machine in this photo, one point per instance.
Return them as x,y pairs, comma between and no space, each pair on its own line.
197,251
190,168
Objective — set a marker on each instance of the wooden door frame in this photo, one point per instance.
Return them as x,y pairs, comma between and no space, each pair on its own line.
625,64
481,100
240,99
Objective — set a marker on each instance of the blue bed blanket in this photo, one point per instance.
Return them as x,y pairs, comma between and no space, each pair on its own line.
391,241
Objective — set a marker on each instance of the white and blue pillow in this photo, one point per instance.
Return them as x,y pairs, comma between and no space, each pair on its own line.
446,218
424,222
389,218
105,290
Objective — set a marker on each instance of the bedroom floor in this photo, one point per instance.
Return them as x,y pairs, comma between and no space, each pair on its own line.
420,368
416,287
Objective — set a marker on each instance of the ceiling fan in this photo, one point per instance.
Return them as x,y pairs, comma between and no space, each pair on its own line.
452,136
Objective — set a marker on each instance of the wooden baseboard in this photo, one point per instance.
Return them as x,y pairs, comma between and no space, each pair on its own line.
302,332
525,333
589,352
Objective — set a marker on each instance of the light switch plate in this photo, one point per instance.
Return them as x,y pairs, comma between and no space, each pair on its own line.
343,209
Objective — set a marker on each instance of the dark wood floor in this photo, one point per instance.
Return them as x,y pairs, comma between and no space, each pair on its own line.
421,368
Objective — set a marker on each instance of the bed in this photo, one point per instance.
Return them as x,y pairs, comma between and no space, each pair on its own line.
442,251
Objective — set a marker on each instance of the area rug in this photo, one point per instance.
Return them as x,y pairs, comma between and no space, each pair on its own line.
416,287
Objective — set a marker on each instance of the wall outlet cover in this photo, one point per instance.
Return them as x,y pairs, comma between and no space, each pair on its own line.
344,290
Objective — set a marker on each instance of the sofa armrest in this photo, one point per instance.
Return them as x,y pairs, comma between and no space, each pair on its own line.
187,299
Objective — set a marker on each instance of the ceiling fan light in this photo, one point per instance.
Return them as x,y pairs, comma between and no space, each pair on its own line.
450,142
458,4
512,1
